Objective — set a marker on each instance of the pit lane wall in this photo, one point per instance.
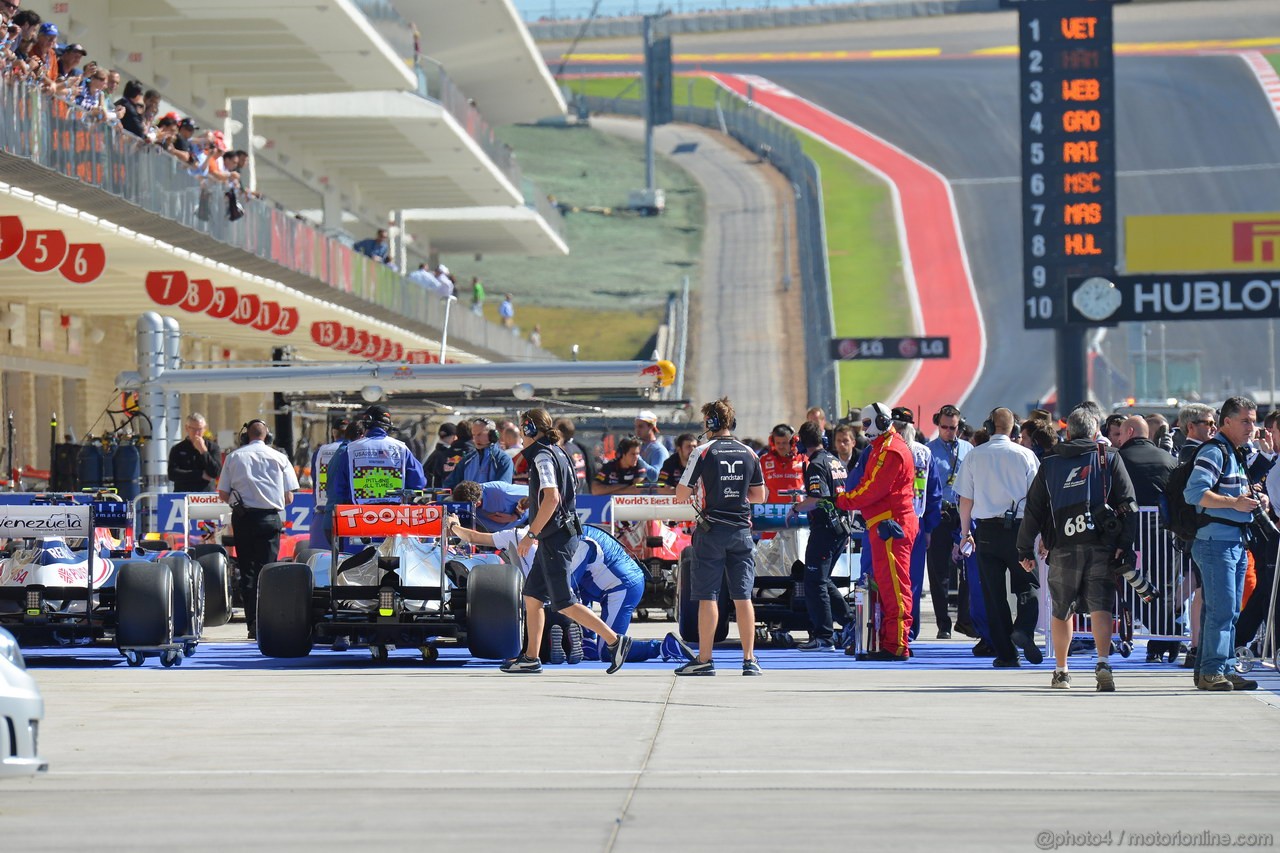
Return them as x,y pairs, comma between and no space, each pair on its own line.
775,142
756,19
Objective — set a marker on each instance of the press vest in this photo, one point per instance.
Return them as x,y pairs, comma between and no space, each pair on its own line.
323,456
377,465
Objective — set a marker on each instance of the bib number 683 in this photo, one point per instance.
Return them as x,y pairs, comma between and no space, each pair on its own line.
1075,526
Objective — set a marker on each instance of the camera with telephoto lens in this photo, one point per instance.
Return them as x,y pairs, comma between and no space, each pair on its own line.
1126,566
1263,527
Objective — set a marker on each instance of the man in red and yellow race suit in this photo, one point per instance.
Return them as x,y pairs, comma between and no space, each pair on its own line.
885,497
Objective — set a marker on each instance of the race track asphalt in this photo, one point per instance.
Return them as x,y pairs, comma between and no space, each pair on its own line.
1204,117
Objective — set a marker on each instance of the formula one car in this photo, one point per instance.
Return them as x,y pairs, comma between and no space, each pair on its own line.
406,591
66,579
21,711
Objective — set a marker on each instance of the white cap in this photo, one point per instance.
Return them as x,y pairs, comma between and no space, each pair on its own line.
442,268
648,416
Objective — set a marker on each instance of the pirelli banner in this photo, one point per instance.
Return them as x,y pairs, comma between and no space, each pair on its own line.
1201,242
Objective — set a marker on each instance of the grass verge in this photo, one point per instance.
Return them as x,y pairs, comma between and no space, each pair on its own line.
600,335
686,90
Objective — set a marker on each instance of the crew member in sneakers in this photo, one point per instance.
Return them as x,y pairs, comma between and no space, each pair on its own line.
723,479
1081,505
992,486
556,529
602,571
829,528
886,498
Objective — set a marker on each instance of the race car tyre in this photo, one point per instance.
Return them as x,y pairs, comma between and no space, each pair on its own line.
217,588
144,605
284,610
686,615
198,551
495,612
304,553
188,595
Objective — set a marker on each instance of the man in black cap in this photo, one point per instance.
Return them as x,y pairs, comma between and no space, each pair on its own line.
433,465
181,146
376,468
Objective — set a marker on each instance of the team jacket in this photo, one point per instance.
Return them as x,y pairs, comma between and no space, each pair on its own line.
782,473
887,488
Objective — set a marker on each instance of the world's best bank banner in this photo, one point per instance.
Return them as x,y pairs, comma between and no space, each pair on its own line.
1163,297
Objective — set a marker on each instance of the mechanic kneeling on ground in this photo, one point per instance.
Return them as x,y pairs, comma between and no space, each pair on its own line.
498,505
1081,506
556,529
828,534
727,477
257,482
601,571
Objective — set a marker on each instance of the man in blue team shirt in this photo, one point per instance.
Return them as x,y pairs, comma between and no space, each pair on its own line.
375,469
652,450
601,571
487,463
949,451
498,505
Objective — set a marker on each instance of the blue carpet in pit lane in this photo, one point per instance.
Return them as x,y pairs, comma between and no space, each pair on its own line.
245,656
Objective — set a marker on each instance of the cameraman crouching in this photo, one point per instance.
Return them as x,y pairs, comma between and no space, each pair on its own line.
1081,505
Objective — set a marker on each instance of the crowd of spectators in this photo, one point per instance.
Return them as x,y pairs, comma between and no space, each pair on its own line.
30,52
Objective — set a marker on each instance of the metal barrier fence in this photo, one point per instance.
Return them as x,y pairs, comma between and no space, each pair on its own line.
1165,566
777,143
51,133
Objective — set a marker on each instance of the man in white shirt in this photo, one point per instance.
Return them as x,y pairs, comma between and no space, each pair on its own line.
992,488
258,482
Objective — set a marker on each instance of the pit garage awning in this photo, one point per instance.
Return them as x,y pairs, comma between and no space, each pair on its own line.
495,230
199,53
75,264
489,54
396,150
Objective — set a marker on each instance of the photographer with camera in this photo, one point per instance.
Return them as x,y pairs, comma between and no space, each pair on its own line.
829,530
1219,485
1082,507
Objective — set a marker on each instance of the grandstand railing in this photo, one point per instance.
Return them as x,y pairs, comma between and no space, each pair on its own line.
778,144
49,132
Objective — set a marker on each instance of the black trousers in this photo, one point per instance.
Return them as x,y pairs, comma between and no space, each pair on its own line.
997,554
257,533
821,596
939,565
1254,614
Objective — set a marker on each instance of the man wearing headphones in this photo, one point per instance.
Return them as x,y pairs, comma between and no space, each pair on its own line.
992,487
886,498
928,505
376,468
488,463
829,530
782,465
258,482
555,528
725,475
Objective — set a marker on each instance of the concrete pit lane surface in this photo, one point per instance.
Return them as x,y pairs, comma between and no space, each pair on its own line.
232,751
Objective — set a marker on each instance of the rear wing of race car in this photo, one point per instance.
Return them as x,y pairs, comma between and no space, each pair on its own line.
359,521
67,520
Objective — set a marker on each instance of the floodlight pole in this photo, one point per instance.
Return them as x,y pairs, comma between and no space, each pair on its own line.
648,107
